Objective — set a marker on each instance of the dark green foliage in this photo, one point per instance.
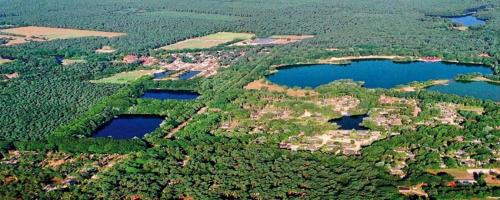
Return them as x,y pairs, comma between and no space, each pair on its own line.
55,108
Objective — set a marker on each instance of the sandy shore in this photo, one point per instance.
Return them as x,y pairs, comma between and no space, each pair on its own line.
347,58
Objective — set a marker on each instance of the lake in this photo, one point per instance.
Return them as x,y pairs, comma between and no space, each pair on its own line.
467,20
129,126
170,94
188,74
161,75
477,89
59,59
350,122
374,73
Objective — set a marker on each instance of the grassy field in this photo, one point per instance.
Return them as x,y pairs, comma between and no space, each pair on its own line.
457,173
4,61
48,33
208,41
126,77
476,109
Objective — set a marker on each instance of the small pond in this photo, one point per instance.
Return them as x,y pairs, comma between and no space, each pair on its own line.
188,75
350,122
374,73
161,75
477,89
129,126
170,94
467,20
59,59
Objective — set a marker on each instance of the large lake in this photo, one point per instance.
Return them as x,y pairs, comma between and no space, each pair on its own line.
129,126
374,73
478,89
170,94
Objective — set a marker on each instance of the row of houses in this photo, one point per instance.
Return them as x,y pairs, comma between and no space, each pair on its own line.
347,142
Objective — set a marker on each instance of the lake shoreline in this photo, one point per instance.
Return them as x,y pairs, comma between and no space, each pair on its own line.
395,58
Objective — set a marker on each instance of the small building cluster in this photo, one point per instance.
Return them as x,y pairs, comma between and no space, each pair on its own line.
398,162
393,112
471,176
206,64
343,104
347,142
415,190
448,114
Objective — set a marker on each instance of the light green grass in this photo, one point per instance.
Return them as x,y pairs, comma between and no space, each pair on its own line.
125,77
4,61
208,41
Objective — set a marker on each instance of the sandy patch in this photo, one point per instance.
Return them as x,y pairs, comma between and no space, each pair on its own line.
66,62
480,78
14,40
348,58
262,84
4,61
105,49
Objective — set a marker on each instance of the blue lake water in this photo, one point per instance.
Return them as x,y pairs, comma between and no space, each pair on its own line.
59,59
129,126
188,75
477,89
374,73
170,94
161,75
467,20
350,122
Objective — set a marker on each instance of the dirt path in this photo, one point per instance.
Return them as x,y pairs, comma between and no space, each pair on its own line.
183,124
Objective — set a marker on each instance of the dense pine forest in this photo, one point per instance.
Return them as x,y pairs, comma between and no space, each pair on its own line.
49,110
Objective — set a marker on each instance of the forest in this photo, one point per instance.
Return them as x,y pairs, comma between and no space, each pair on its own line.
49,113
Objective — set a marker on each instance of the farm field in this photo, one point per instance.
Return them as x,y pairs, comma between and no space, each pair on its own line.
208,41
37,33
273,40
126,77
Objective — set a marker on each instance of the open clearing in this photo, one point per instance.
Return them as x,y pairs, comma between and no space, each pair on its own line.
273,40
21,35
105,49
4,61
126,77
67,62
208,41
262,84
